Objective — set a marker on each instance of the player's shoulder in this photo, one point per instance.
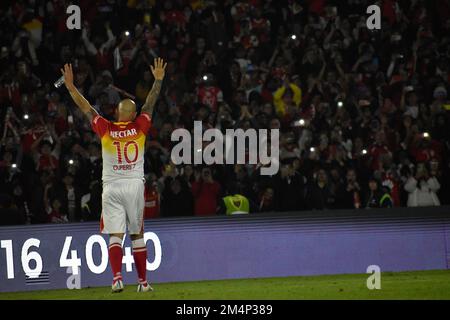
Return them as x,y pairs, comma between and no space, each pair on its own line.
97,119
100,125
144,115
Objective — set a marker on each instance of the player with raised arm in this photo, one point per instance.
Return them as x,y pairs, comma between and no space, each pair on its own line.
123,145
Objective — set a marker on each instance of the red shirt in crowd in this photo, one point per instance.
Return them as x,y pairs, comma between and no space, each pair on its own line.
425,154
210,96
47,162
30,137
375,152
388,11
205,196
151,209
10,93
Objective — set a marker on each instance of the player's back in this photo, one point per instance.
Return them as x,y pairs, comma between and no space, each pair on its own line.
123,146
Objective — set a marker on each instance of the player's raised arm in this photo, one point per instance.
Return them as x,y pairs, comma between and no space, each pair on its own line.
77,97
158,72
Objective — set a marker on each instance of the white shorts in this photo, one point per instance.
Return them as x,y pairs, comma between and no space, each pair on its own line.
123,205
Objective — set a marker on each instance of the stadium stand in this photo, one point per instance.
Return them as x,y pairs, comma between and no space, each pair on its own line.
363,114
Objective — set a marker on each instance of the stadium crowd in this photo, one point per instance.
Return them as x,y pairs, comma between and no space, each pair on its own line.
363,114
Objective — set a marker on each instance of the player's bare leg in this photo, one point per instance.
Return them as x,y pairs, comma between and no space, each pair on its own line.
115,260
140,260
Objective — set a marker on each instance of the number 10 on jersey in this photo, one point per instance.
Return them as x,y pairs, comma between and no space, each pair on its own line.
124,151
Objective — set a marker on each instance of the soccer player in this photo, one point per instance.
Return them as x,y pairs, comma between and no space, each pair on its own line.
123,144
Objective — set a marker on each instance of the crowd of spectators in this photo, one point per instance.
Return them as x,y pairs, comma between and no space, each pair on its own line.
363,114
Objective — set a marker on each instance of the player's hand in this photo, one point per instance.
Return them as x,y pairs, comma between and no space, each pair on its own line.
68,75
159,68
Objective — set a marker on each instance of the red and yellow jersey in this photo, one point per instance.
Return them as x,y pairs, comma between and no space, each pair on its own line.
123,146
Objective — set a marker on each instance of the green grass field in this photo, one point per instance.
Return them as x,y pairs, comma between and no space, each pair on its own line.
401,285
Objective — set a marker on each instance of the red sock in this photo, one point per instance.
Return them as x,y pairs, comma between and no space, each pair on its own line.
115,259
140,260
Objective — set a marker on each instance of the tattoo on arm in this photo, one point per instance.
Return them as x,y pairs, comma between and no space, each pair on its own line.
152,97
82,103
90,115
